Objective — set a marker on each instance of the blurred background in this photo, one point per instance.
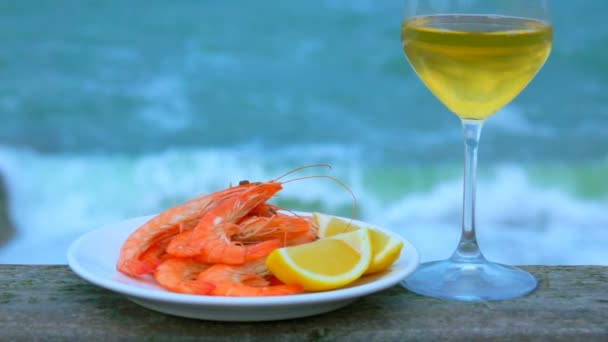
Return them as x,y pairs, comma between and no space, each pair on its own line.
113,109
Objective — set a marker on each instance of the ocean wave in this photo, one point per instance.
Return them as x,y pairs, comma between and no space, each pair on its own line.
54,198
518,222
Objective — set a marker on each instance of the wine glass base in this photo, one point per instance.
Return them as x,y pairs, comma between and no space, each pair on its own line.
478,281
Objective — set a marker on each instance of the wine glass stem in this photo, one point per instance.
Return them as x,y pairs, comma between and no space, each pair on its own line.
468,249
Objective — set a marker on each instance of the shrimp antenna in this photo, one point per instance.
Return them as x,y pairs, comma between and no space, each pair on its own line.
335,180
302,168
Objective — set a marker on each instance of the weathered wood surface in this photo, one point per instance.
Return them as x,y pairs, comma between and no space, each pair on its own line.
52,303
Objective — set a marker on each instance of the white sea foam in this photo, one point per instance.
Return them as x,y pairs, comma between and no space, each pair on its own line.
53,199
517,221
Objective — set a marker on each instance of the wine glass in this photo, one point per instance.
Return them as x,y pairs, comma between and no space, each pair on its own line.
475,56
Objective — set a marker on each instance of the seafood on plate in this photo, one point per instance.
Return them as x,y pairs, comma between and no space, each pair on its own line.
212,244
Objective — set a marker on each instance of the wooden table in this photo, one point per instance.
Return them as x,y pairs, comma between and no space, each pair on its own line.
52,303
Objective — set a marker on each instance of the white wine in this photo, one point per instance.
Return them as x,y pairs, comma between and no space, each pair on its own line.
475,64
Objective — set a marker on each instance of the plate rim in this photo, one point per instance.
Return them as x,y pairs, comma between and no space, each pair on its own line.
308,298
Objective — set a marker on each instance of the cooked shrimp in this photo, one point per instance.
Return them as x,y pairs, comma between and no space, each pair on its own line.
233,253
216,227
180,275
165,225
154,255
202,215
278,226
244,280
263,210
219,247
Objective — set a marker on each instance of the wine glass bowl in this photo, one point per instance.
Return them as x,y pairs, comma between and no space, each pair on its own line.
475,64
475,56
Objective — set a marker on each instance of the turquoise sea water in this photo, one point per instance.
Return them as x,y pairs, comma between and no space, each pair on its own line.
112,110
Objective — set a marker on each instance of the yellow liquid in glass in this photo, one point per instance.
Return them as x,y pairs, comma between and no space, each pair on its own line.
475,64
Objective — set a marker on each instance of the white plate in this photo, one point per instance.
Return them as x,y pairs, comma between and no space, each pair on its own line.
93,257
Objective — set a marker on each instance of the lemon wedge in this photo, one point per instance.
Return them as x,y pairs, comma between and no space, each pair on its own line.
385,249
329,225
325,264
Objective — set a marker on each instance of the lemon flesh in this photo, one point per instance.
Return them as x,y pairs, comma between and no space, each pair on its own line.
385,249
